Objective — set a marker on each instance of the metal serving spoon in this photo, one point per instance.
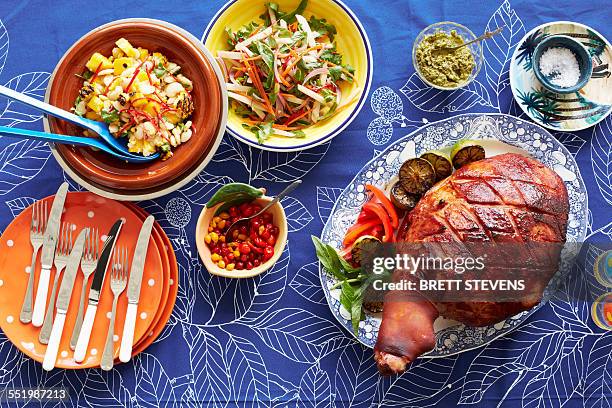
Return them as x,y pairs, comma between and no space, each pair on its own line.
100,128
245,221
485,36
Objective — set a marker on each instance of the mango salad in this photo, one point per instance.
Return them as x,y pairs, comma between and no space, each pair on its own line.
141,95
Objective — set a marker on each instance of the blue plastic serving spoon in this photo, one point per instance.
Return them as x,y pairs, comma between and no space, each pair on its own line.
71,140
100,128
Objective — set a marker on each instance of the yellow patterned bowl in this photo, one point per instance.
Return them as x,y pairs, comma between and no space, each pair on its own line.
351,41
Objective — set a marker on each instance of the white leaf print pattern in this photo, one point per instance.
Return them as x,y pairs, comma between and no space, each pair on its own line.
326,199
572,141
601,157
530,347
199,190
17,205
260,165
106,388
208,366
10,360
558,381
306,283
498,53
249,376
356,376
315,389
422,382
33,84
598,381
20,162
153,387
295,333
297,215
429,99
4,45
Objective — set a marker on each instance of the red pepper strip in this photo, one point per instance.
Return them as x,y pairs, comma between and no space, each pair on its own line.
134,77
358,230
295,116
366,216
380,195
95,75
379,210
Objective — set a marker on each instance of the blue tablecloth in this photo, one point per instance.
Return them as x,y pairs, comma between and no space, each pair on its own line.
273,341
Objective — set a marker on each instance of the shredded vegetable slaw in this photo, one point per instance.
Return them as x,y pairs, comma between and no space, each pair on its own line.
284,74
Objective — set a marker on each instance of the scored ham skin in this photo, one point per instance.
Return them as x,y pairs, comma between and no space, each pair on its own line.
506,198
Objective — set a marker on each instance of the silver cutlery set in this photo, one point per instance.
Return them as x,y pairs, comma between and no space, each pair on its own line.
59,250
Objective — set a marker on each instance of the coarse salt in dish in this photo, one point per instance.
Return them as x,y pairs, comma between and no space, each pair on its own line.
560,66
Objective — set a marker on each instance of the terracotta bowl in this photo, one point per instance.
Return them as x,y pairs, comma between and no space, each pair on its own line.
280,220
209,99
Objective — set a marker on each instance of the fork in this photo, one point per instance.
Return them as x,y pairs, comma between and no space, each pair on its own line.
40,216
62,253
119,276
89,261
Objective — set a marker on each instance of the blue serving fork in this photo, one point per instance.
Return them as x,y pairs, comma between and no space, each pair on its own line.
99,128
72,140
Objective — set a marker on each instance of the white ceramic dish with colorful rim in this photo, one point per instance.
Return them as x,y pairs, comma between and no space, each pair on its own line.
500,133
184,179
571,112
352,42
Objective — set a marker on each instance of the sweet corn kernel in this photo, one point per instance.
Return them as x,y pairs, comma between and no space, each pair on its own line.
221,224
215,257
221,264
217,219
261,229
210,229
230,267
242,237
224,216
214,237
207,238
236,253
222,238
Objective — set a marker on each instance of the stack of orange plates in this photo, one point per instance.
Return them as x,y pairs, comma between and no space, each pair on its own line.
157,296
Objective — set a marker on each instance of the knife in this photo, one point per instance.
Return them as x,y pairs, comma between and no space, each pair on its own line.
133,290
63,300
94,292
48,253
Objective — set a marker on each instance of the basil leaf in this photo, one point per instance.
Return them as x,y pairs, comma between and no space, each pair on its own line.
232,192
290,17
328,257
267,55
321,26
351,298
264,131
